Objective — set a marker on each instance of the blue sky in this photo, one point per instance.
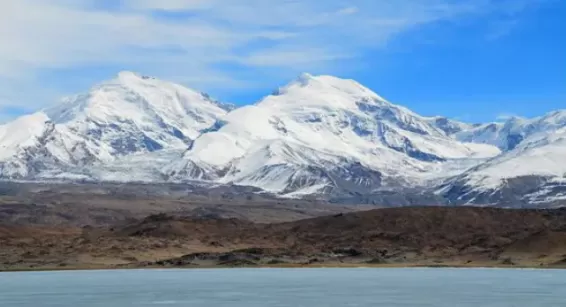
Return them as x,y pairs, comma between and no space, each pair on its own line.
475,60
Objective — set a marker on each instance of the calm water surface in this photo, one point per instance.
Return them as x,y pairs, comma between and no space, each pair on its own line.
286,287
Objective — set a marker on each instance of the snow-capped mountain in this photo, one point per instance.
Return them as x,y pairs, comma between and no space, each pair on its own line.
321,133
532,172
128,115
511,133
318,135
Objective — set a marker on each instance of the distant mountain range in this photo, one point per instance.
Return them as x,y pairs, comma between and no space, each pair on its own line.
318,136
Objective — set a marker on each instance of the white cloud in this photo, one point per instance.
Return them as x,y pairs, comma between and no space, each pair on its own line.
348,10
501,28
166,5
198,41
296,56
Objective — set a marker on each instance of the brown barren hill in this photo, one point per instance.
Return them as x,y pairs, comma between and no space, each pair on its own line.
428,236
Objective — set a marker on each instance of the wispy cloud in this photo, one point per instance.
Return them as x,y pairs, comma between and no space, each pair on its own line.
501,28
506,116
199,41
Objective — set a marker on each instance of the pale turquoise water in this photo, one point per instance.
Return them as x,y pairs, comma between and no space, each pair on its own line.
287,287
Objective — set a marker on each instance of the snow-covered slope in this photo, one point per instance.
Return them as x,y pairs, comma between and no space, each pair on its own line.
130,114
530,171
19,137
22,132
319,130
511,133
534,171
450,126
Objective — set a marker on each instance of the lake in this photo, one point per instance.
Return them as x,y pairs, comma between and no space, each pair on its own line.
287,287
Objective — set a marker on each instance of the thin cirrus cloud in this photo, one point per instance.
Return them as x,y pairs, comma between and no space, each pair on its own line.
207,43
506,116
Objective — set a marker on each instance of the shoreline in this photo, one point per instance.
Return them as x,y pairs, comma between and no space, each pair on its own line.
287,266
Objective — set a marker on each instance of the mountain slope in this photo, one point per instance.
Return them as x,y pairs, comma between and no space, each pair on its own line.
130,114
17,138
511,133
316,130
450,126
533,172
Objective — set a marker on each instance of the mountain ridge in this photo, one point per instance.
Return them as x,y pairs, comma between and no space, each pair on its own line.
316,136
338,121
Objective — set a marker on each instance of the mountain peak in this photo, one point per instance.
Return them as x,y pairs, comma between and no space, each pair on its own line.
143,103
129,75
326,89
304,78
130,78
